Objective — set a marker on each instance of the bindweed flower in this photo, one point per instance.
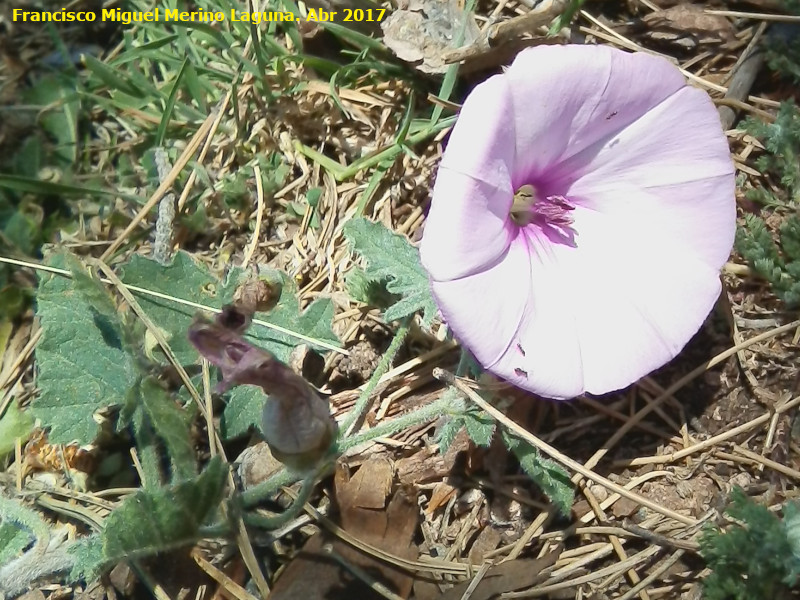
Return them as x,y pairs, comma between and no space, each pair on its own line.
296,423
581,213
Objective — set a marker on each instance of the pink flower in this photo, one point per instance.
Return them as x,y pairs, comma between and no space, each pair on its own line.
612,266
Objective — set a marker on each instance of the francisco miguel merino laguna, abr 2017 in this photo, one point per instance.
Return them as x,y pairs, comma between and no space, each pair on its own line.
155,15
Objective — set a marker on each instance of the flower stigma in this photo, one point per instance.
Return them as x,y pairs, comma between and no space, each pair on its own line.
551,214
522,208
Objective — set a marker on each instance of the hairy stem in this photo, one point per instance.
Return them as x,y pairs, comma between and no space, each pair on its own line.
353,420
265,489
442,406
295,508
438,408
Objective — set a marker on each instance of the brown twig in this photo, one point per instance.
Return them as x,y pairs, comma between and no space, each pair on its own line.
744,74
508,31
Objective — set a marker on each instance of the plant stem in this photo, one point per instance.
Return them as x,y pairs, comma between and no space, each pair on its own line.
295,508
437,408
267,488
343,173
353,420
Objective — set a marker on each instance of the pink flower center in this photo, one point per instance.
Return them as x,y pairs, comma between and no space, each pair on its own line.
552,215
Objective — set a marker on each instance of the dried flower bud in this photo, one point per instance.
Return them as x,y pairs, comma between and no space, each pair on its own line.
257,295
296,422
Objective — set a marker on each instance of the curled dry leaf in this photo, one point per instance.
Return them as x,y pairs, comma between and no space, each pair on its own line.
686,26
422,31
371,513
296,422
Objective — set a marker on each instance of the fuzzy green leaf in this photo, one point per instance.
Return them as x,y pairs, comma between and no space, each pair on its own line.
13,540
15,423
782,142
780,265
782,46
89,558
752,558
183,278
548,475
146,444
363,289
171,423
243,411
19,526
790,238
448,430
314,322
155,520
187,280
82,363
390,257
480,426
791,523
755,243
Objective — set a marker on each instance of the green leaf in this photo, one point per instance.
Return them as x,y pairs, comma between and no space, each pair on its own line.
243,411
314,322
363,289
14,424
19,526
155,520
790,238
13,540
21,231
752,558
33,185
791,521
480,426
392,258
82,363
30,157
113,79
170,105
782,158
185,279
146,444
89,558
447,432
94,293
61,103
171,423
548,475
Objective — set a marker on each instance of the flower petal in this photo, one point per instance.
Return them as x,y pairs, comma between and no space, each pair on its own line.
606,312
669,171
567,98
485,309
466,229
